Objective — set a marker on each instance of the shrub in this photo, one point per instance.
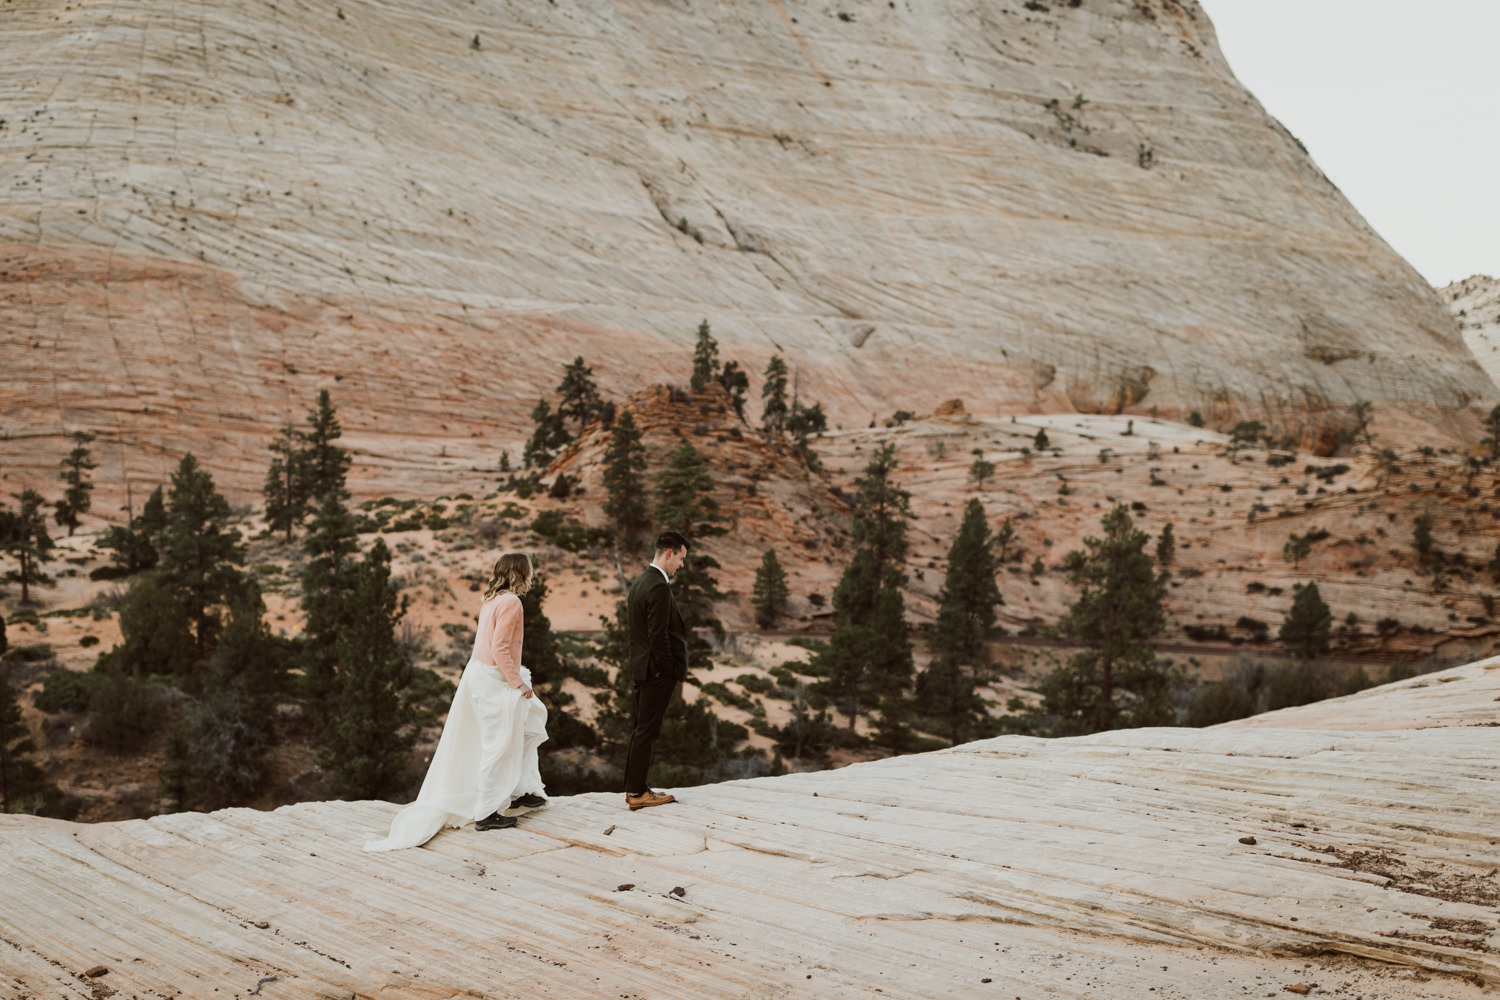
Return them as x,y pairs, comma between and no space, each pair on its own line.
1290,685
123,712
66,691
1219,701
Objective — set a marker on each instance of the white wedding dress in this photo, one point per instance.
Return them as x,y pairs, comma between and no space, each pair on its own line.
487,754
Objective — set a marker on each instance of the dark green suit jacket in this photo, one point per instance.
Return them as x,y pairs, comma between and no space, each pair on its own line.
658,637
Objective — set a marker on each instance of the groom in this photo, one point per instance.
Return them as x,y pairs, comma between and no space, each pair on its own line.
658,662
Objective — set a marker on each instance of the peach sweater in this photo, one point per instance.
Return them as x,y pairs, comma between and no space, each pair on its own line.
498,640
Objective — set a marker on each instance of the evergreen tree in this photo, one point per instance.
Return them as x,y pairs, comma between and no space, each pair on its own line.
548,437
370,733
1116,682
77,497
137,546
1040,441
770,593
966,613
249,658
325,464
328,580
287,481
578,395
802,422
20,779
980,471
869,656
685,503
1005,537
705,359
132,550
156,633
153,520
624,479
202,551
1422,540
539,650
1297,548
24,536
737,384
773,396
1305,632
1166,547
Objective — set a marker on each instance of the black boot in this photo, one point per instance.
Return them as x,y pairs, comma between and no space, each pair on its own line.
495,821
528,801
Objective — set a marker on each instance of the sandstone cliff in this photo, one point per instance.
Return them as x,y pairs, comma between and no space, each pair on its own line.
1319,858
210,211
1475,303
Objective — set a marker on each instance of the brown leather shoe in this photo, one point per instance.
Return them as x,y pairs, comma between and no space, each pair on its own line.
648,798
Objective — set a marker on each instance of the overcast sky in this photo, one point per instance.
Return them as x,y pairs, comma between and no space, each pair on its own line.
1399,104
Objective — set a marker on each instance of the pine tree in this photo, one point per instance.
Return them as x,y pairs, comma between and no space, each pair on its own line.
202,553
1005,537
153,520
624,479
20,779
773,396
370,733
966,613
578,395
548,436
980,471
325,464
770,593
1040,441
1297,548
287,481
137,546
1116,682
705,359
736,383
249,657
1305,632
802,422
869,656
328,579
77,497
1422,540
1166,547
685,503
24,536
156,633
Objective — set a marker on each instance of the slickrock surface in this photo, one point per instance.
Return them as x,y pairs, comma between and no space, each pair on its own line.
1475,303
209,211
1176,863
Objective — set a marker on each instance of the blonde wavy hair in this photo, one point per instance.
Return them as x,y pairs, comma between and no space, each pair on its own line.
511,575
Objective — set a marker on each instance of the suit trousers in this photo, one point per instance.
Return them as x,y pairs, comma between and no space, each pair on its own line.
651,700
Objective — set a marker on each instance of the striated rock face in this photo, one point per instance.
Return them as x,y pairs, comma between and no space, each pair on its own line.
1143,863
1475,303
209,212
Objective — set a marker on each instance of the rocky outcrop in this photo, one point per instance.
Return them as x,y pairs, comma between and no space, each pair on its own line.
1475,303
209,212
1149,862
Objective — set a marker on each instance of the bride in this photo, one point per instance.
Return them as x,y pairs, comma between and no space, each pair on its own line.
486,759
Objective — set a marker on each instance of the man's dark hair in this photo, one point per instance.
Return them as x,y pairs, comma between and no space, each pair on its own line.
670,541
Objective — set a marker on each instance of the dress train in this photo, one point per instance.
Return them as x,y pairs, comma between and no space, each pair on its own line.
486,756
